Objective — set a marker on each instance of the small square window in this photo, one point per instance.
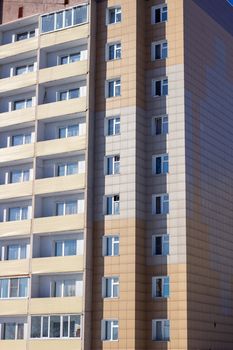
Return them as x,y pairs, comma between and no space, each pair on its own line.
114,15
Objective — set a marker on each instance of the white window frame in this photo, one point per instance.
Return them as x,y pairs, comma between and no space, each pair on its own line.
63,281
163,83
163,321
21,212
116,83
25,100
164,198
103,330
63,246
163,123
19,249
3,325
18,288
115,123
116,8
113,204
27,69
67,92
22,173
66,127
164,159
66,165
164,280
28,32
113,284
153,52
115,164
114,44
24,135
161,7
64,203
115,241
163,237
69,57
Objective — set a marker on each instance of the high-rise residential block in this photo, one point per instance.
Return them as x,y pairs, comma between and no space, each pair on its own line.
116,180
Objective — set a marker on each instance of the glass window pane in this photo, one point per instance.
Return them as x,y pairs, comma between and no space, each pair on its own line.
75,329
35,326
9,331
115,330
27,138
17,140
45,329
59,20
20,331
58,248
69,288
158,245
73,93
23,287
48,23
21,36
65,326
72,168
62,133
19,105
23,251
70,247
4,283
75,57
21,70
64,60
159,334
72,130
68,18
13,252
26,175
63,96
60,208
14,214
61,170
14,284
55,326
80,14
58,289
16,176
71,208
24,213
29,103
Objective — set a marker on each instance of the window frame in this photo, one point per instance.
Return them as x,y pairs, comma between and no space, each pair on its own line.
116,284
163,243
63,241
115,241
115,7
20,211
153,50
153,15
113,205
164,161
165,281
116,84
114,44
65,203
163,125
163,321
115,165
104,330
25,102
162,201
115,124
9,288
163,85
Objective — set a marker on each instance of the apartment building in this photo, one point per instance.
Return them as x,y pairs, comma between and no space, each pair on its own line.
116,175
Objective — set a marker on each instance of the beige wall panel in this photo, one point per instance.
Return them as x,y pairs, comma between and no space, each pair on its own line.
17,117
16,153
56,224
14,267
11,344
58,146
57,264
17,48
14,83
59,184
47,306
13,307
60,108
16,190
52,344
15,228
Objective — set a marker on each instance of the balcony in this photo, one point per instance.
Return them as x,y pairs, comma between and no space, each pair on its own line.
52,74
14,267
18,47
15,228
51,344
57,264
11,154
60,146
17,117
59,184
60,108
17,82
12,344
55,305
16,190
58,224
65,35
13,307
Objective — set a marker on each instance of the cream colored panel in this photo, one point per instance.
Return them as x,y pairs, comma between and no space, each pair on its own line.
61,108
57,264
17,117
58,223
16,190
15,153
15,228
18,47
62,72
17,82
57,146
14,267
13,307
52,344
39,306
59,184
62,36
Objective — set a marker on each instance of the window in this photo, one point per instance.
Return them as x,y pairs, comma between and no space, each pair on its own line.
61,326
69,131
160,287
21,139
66,208
159,14
114,88
161,330
112,165
160,125
160,204
12,330
14,288
18,213
159,50
113,51
63,288
19,176
24,69
114,15
160,87
160,164
110,287
16,251
25,35
74,57
113,126
109,330
113,205
160,245
21,104
67,169
66,247
63,19
110,245
69,94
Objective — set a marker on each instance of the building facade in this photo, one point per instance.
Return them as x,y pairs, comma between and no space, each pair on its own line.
116,175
